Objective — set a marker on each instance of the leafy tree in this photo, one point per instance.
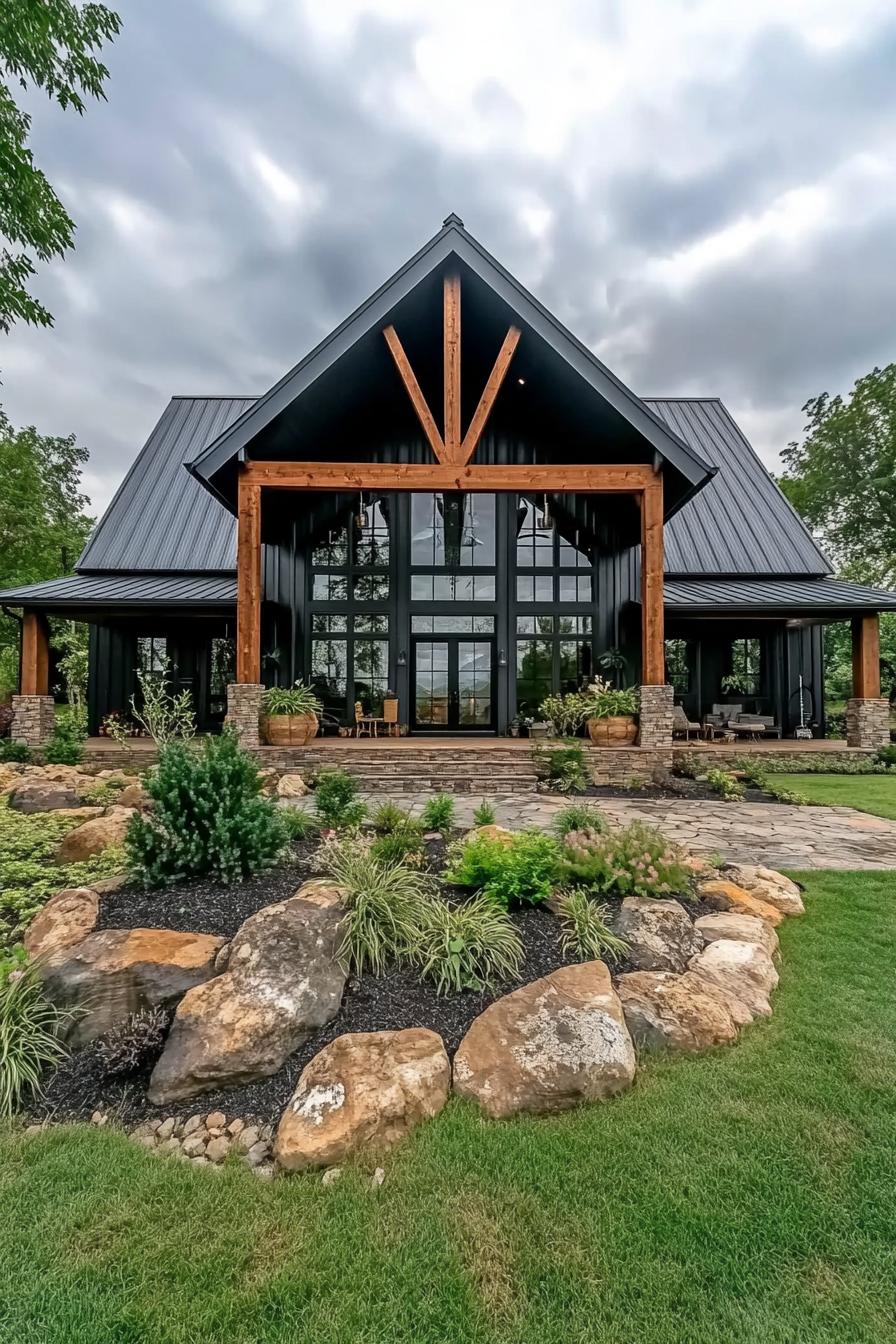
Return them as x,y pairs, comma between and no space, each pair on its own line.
842,477
49,45
43,523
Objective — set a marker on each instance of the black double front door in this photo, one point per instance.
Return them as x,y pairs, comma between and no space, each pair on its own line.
454,684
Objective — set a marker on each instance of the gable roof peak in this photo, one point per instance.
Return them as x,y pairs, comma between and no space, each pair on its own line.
452,221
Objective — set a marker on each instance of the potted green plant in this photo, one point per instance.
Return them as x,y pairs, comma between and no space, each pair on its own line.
289,715
610,713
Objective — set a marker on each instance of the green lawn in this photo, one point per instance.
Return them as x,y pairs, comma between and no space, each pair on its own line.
742,1197
869,793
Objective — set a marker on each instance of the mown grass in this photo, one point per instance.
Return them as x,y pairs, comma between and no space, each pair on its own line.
742,1197
868,793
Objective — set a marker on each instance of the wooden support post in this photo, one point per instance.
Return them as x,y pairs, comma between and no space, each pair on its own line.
248,581
653,672
866,657
35,677
451,350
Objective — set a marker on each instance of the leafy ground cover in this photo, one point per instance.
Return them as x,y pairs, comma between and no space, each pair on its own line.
742,1195
868,793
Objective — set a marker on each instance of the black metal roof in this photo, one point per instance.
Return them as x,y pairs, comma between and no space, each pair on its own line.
120,591
766,597
452,241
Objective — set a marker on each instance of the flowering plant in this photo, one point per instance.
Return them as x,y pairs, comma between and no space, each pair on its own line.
602,700
635,861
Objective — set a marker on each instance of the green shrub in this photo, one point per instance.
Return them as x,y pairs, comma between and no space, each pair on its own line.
208,816
725,785
400,846
390,817
384,905
30,1031
578,817
521,871
563,713
586,933
887,756
634,861
468,946
438,813
484,815
336,800
104,792
14,751
563,768
66,746
296,823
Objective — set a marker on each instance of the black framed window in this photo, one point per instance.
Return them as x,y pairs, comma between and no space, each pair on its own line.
350,660
678,665
746,666
351,562
152,653
554,563
453,531
553,654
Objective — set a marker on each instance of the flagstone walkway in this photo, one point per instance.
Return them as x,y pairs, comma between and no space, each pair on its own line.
771,833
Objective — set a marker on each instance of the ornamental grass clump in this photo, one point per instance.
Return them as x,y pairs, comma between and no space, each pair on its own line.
384,905
585,931
472,945
31,1030
578,817
634,861
519,870
208,817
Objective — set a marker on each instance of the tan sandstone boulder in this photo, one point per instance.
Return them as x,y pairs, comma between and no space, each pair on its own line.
116,972
320,891
741,928
491,832
134,795
765,884
95,836
548,1046
282,981
674,1012
722,895
743,969
363,1091
660,934
292,786
66,919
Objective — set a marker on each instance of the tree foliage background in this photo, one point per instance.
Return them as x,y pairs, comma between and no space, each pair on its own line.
841,477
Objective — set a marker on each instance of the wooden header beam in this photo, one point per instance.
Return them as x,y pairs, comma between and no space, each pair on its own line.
35,676
866,657
437,477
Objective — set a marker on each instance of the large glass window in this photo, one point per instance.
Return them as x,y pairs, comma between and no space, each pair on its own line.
452,587
549,552
678,670
350,660
453,531
553,653
351,562
745,677
152,654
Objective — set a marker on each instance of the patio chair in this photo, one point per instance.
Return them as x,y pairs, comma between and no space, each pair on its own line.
682,725
755,725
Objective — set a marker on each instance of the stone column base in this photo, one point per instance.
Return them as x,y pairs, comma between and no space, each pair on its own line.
867,723
244,711
33,719
656,716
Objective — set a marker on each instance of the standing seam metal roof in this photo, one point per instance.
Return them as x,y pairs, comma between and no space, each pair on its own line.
161,519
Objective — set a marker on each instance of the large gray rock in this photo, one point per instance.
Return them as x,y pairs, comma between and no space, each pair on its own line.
362,1093
660,934
548,1046
282,982
744,970
110,974
675,1012
42,795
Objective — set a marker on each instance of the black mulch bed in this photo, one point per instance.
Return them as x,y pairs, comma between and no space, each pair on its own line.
397,1000
691,789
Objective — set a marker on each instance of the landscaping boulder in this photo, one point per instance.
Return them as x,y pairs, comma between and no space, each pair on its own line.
66,919
42,795
363,1091
95,836
741,928
674,1012
767,885
491,832
292,786
323,892
722,895
548,1046
282,982
660,934
134,795
116,972
743,969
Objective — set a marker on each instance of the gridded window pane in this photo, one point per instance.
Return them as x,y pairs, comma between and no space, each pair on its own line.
535,536
575,587
453,530
371,587
152,653
371,623
678,673
534,588
474,683
573,625
329,658
445,625
534,673
431,683
575,664
330,588
371,669
573,553
331,552
452,588
371,535
329,623
746,666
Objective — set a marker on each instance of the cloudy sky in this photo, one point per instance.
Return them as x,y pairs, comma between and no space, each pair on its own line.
703,192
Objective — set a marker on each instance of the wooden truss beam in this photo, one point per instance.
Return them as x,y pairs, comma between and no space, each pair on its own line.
451,359
35,678
418,401
487,400
653,663
248,580
866,657
444,476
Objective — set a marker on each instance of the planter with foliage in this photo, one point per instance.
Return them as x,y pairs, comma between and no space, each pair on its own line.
289,715
610,714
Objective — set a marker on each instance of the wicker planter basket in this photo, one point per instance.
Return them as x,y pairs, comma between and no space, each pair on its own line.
288,730
614,731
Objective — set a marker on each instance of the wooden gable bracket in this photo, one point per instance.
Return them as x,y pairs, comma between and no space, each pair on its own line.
449,447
